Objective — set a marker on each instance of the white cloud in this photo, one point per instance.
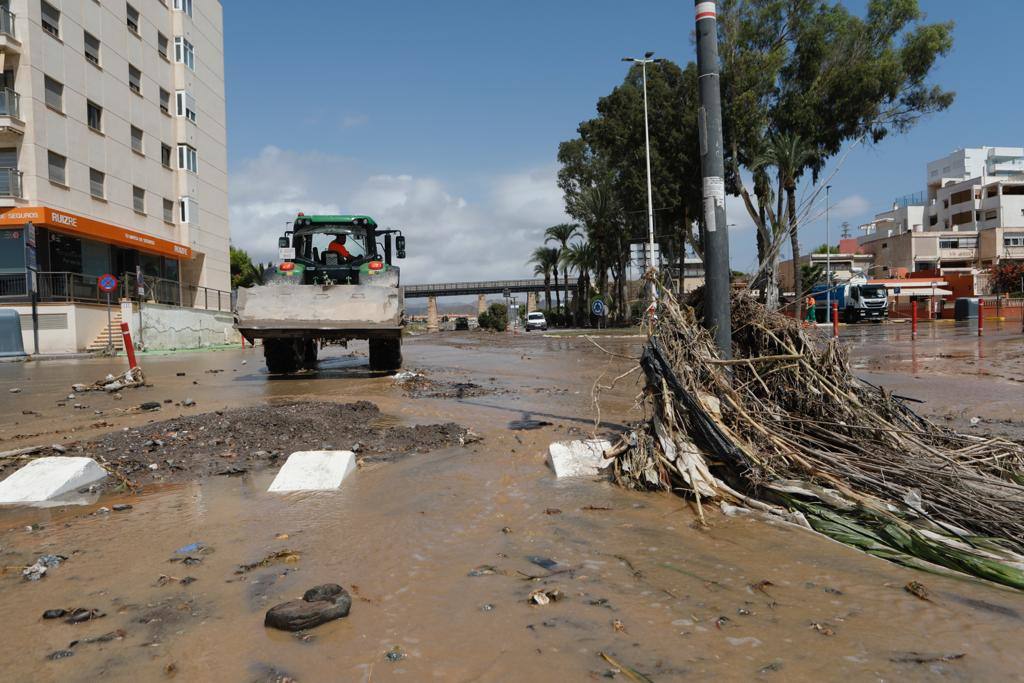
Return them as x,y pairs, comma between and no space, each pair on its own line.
353,120
449,237
853,206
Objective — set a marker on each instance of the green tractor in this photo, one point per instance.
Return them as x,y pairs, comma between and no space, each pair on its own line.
335,282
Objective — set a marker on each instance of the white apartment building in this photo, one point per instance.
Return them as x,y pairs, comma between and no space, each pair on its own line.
113,145
970,216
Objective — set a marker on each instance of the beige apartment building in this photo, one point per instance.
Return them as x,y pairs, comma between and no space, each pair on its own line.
113,146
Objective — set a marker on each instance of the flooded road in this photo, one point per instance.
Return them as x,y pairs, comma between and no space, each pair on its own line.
643,583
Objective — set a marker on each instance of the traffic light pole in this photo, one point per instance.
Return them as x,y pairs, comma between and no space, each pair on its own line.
716,232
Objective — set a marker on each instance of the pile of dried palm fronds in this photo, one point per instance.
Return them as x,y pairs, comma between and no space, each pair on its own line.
784,427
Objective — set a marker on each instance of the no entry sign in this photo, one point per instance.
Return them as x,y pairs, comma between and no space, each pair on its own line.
107,283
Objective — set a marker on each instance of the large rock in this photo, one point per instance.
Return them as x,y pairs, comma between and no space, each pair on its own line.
318,606
48,478
314,471
578,458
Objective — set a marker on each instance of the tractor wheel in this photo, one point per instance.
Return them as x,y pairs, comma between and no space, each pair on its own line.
282,355
310,349
386,354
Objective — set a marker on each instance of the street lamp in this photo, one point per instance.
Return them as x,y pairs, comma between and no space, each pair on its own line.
828,258
643,62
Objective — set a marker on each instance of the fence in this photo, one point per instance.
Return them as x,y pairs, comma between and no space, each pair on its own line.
66,287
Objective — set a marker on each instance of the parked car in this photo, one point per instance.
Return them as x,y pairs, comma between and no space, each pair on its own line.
536,321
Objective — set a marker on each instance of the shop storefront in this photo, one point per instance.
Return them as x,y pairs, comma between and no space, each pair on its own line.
73,251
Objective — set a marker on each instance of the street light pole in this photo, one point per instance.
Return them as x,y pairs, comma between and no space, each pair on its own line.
643,62
712,162
828,255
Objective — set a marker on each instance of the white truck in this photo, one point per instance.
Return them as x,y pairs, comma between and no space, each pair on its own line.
857,300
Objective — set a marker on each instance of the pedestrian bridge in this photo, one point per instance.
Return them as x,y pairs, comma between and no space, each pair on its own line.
468,288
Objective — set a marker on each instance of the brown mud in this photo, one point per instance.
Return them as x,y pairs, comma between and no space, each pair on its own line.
238,440
442,551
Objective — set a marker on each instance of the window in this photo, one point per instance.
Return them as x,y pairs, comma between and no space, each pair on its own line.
168,211
139,199
94,116
962,218
165,101
50,18
165,155
133,19
184,52
96,181
137,140
162,45
991,214
186,105
188,160
189,210
1013,239
92,48
54,93
960,197
134,80
183,6
58,165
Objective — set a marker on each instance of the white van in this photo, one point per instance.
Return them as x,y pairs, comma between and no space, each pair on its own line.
536,321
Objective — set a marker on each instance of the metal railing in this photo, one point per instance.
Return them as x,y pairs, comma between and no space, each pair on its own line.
10,183
485,287
7,22
10,103
78,288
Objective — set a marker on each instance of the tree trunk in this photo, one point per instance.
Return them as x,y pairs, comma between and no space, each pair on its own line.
794,243
558,297
565,282
547,289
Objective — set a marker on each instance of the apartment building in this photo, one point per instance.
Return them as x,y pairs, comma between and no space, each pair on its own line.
113,146
970,216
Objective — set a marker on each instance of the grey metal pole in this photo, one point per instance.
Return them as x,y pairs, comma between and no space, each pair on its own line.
716,231
828,257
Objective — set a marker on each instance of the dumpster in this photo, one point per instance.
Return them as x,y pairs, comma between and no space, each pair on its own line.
966,308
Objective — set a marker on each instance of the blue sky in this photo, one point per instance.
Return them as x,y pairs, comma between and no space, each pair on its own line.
444,117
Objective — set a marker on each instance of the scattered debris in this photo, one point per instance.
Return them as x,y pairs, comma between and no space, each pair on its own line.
131,378
60,654
823,629
314,471
618,626
395,654
41,566
188,403
49,477
80,615
543,596
197,547
165,579
578,458
522,425
120,507
149,406
285,556
631,674
15,390
924,657
54,613
918,590
482,570
319,605
552,511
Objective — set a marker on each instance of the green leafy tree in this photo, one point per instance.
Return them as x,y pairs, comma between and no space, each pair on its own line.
494,318
243,272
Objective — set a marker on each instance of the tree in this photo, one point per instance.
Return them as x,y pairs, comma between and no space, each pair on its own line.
580,256
561,233
1007,277
545,260
803,71
494,318
243,272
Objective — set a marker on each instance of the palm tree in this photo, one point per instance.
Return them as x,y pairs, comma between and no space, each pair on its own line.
790,155
580,256
561,233
545,260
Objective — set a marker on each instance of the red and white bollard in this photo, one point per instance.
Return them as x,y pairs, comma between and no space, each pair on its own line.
913,319
128,348
981,315
835,319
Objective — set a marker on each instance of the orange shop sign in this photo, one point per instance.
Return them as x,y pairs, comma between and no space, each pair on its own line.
87,227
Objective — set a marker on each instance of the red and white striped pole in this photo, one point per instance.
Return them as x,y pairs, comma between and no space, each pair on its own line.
128,348
835,319
981,315
913,319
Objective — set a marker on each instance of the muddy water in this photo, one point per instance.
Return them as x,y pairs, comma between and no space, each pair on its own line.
647,585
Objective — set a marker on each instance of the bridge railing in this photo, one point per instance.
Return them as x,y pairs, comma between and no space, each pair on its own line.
483,287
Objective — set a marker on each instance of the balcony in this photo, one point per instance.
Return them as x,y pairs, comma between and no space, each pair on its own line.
10,112
8,40
958,253
10,187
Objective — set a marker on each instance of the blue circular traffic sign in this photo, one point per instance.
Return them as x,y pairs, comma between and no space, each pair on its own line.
107,283
597,308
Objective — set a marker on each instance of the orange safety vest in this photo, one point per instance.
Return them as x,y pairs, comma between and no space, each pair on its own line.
339,248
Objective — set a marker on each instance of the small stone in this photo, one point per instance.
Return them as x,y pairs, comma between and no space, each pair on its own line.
188,403
121,507
245,362
54,613
60,654
150,405
179,374
59,448
103,511
318,606
15,390
154,466
71,397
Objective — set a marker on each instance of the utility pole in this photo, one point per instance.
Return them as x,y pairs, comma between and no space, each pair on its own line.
712,162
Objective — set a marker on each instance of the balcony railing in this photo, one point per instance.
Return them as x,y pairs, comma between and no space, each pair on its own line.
10,183
76,287
7,22
10,103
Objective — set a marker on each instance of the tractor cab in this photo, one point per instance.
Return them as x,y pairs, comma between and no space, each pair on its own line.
343,250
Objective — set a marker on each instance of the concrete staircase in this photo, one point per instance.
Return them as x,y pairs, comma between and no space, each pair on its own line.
99,344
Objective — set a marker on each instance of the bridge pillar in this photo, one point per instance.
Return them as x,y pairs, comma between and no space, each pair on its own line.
481,304
432,323
531,302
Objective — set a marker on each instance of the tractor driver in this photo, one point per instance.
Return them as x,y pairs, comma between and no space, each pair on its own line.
338,247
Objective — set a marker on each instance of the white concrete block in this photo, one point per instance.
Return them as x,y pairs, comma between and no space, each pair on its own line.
314,471
578,458
47,478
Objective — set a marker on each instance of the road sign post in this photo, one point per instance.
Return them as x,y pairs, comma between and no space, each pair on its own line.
32,273
107,284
